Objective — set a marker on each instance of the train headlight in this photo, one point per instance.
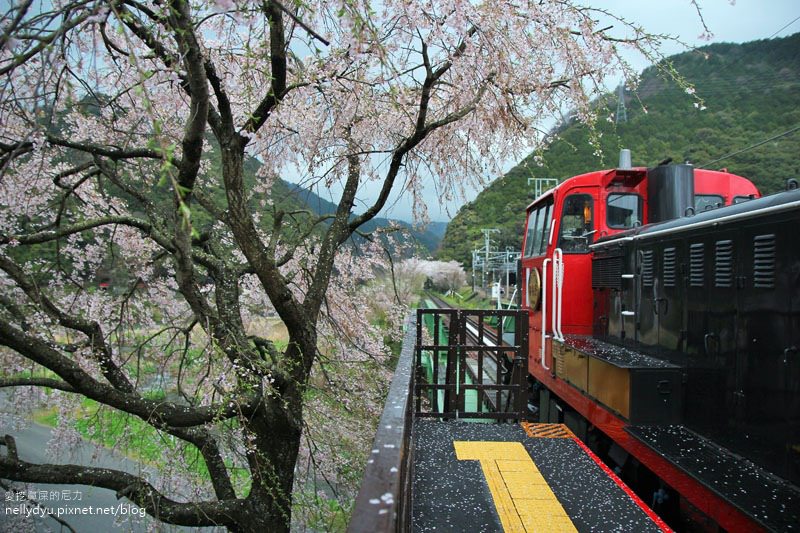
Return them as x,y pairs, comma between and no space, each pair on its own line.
533,289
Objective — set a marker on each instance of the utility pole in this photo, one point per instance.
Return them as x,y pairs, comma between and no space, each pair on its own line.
474,255
622,113
542,185
507,261
487,242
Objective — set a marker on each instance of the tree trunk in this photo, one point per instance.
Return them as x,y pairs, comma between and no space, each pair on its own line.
272,462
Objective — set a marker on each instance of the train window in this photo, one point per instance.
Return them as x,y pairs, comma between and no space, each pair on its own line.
740,199
548,215
530,237
576,224
704,202
538,228
623,210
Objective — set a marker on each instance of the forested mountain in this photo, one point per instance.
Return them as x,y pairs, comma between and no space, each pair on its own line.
421,239
748,93
290,197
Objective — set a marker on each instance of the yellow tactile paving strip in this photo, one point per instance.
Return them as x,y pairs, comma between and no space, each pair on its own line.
524,500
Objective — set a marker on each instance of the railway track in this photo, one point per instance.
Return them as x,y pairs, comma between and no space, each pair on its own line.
488,367
480,333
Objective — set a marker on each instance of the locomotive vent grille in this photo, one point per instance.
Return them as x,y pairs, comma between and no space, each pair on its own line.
647,268
697,265
668,264
764,261
723,265
607,273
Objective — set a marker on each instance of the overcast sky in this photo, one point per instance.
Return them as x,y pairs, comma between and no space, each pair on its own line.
745,20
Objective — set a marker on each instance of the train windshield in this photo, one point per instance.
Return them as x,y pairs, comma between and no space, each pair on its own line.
539,228
623,211
576,224
704,202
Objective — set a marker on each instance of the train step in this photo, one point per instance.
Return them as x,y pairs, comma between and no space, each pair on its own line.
768,499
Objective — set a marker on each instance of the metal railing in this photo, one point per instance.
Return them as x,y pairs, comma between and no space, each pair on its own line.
472,373
384,500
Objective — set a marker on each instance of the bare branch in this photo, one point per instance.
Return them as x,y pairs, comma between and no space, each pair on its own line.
172,60
44,42
158,414
11,27
51,235
115,154
277,49
421,131
126,485
36,382
302,24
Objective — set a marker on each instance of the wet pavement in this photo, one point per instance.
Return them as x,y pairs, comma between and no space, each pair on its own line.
494,477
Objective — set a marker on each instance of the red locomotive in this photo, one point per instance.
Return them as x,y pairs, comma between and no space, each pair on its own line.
664,308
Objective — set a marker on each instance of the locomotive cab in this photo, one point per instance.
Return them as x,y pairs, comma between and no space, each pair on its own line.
556,264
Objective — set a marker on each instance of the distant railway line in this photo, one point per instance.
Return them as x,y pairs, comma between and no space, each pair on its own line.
484,369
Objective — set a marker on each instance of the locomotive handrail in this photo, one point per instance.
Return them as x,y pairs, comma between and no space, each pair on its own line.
554,304
561,274
527,289
544,312
558,292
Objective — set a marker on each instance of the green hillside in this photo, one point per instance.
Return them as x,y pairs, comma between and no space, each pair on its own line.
421,240
751,93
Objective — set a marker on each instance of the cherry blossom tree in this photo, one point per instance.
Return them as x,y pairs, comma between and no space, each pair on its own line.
410,275
448,276
127,126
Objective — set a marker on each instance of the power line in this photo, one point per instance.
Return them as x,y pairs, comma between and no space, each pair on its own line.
739,59
784,134
780,30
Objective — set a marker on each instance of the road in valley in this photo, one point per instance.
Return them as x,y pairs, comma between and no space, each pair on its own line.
84,508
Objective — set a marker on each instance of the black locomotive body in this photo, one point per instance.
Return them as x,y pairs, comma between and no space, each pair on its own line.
717,295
